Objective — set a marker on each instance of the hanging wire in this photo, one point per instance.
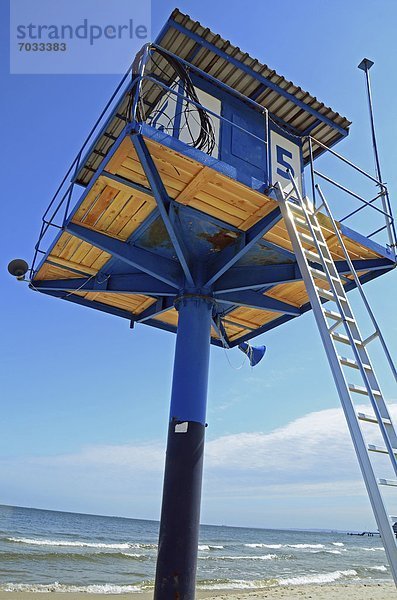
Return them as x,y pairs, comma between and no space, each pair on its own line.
205,138
30,282
226,348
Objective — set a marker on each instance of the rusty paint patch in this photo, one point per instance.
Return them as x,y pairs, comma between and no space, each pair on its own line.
157,236
220,240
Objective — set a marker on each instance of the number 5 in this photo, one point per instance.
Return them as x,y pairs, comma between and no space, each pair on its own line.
281,154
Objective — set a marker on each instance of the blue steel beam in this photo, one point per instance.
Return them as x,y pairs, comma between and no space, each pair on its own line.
132,283
111,310
248,278
159,267
236,279
161,305
258,276
269,84
129,184
253,299
228,257
305,308
163,203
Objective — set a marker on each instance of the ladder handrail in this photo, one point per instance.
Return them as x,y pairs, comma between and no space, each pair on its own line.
297,214
358,283
374,403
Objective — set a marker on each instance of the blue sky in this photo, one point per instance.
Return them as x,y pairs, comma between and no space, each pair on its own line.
85,400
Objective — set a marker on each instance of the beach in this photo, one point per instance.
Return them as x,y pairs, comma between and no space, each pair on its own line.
381,591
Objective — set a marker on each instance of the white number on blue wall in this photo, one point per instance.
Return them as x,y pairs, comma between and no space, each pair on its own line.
285,155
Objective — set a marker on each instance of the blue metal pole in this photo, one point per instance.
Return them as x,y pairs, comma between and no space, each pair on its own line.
180,513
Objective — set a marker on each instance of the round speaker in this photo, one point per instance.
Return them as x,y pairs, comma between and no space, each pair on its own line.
18,267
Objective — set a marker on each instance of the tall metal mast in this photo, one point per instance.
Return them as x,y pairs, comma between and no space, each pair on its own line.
365,66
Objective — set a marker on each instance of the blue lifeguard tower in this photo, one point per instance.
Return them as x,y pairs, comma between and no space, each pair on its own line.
194,206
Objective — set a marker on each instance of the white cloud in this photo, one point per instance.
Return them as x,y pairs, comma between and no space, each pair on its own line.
311,457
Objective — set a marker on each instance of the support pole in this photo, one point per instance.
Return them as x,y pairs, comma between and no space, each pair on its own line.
365,66
180,513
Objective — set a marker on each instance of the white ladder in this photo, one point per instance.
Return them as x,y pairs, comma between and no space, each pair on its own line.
318,269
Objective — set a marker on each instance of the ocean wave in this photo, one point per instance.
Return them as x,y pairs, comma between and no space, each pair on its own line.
381,568
325,552
374,549
74,544
226,584
273,546
263,557
106,588
338,544
132,555
209,547
304,546
318,578
73,556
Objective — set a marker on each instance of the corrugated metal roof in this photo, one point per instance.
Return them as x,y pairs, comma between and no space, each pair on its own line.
299,118
216,56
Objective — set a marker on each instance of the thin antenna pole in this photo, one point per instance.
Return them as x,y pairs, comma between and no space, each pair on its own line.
365,66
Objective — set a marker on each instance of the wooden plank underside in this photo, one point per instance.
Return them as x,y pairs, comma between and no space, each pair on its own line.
237,323
114,208
195,185
133,303
117,209
295,293
72,254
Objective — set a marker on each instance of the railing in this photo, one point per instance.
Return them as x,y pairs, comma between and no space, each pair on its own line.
382,194
137,83
61,200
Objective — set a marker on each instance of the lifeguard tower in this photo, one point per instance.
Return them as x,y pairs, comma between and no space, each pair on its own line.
187,209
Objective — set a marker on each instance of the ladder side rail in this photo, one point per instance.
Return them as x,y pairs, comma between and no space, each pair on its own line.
358,283
379,406
369,377
375,496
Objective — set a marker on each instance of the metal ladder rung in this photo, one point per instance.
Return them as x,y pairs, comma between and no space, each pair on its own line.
312,255
340,337
372,419
307,238
296,207
349,362
303,223
380,449
358,389
322,275
337,317
333,315
318,274
391,482
326,294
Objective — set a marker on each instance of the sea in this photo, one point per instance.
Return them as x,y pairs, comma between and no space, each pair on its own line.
45,551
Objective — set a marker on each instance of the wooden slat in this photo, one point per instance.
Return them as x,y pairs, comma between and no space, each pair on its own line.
72,265
118,210
121,154
195,184
48,272
134,303
100,206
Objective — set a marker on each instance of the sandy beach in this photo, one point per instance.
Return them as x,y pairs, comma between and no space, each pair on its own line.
382,591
